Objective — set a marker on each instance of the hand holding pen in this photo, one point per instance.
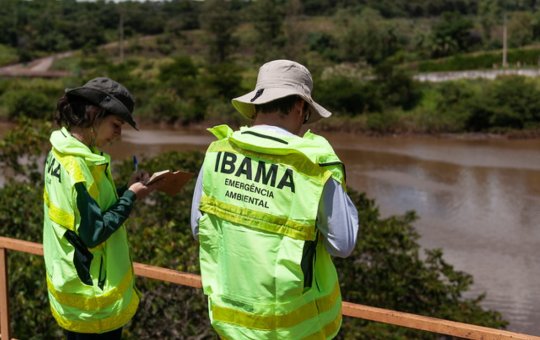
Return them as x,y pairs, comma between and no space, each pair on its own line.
138,176
138,180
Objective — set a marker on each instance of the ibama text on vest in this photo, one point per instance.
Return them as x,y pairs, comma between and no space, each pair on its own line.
266,173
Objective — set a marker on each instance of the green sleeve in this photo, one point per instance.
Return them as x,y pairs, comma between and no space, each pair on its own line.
97,226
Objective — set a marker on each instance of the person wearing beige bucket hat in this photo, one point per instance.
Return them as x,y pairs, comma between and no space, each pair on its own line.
269,210
90,282
279,79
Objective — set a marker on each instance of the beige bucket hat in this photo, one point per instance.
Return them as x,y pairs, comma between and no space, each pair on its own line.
278,79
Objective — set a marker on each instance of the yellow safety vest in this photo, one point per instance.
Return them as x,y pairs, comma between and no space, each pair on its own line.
76,306
264,265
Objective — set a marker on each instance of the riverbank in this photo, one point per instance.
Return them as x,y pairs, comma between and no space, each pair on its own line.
334,125
356,126
477,197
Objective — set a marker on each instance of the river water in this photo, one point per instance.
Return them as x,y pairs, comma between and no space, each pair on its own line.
477,198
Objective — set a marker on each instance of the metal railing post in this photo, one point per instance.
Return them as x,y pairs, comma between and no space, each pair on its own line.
4,300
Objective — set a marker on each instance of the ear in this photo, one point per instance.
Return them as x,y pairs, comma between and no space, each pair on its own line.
303,110
299,107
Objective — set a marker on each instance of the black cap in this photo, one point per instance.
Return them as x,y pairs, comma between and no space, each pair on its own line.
109,95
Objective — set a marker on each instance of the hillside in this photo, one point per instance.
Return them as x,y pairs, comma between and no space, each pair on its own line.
186,69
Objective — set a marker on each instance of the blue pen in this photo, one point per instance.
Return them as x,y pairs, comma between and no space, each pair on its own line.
135,163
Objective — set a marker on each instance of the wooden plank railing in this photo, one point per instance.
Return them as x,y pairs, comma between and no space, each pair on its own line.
391,317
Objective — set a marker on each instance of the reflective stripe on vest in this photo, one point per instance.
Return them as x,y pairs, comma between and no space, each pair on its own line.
252,253
103,325
59,215
105,305
270,322
74,170
310,175
82,302
328,330
258,220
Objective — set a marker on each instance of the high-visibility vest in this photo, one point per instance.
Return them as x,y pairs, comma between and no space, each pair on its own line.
264,265
111,299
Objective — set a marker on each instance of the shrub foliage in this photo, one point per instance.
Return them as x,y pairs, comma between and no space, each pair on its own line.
385,270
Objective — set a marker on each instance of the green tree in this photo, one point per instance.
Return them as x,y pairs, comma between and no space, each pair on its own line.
223,81
510,102
349,95
219,22
452,34
367,37
8,22
21,152
183,15
267,17
294,35
490,14
184,77
385,270
181,74
520,29
396,86
28,103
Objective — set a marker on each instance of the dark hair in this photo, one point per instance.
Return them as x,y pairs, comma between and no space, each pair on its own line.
282,105
74,111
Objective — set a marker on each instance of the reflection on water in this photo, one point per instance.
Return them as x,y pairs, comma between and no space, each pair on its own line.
480,203
478,200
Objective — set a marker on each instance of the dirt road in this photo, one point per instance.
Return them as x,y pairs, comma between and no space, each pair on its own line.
39,68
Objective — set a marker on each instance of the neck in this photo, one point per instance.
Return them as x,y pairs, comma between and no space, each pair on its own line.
276,119
84,135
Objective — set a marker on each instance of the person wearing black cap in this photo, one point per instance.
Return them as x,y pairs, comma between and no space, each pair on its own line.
90,276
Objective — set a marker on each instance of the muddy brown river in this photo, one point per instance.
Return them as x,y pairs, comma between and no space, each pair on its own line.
477,198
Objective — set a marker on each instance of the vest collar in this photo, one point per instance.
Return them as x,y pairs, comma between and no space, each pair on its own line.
316,148
65,143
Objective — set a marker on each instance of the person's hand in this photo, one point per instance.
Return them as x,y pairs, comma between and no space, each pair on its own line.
138,176
142,190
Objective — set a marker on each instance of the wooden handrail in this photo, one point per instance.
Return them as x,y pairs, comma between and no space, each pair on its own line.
391,317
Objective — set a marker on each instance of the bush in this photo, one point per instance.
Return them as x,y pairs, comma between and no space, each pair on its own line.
448,112
385,269
29,104
478,61
397,88
348,95
167,311
165,106
21,216
386,122
509,102
8,55
180,74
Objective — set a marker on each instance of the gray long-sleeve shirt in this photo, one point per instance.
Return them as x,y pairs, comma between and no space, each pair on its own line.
337,217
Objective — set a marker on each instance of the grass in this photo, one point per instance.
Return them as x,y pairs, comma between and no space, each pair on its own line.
8,55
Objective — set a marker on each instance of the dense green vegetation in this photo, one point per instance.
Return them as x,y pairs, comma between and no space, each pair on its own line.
184,60
386,269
